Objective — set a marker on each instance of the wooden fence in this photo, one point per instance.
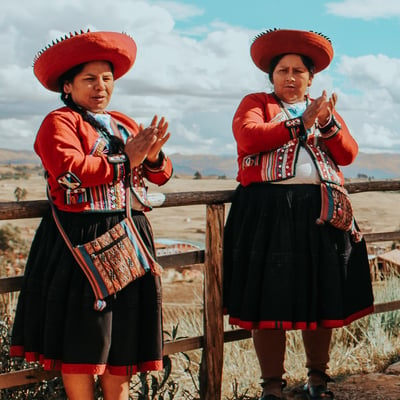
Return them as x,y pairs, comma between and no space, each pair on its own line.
213,338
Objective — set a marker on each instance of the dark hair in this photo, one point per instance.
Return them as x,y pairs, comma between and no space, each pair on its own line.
69,76
308,63
115,143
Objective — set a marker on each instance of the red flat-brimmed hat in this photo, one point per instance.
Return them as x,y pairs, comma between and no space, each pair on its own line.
77,48
274,42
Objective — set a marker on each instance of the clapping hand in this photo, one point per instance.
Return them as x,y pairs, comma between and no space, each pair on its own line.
320,110
161,138
147,143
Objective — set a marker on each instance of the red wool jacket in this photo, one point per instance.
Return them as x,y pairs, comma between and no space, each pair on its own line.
268,142
80,175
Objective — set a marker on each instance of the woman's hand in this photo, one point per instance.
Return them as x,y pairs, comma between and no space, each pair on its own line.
161,138
326,109
320,110
147,143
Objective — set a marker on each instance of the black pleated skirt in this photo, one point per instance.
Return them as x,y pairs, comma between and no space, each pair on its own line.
55,321
282,270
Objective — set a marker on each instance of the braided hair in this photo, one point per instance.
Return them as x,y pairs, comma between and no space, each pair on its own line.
115,143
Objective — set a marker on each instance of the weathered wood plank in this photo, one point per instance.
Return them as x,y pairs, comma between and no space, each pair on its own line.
25,377
11,284
183,345
373,186
181,260
197,198
212,357
36,208
23,209
385,307
237,334
382,236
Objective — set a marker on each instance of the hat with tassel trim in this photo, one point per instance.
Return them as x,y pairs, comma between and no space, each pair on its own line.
274,42
65,53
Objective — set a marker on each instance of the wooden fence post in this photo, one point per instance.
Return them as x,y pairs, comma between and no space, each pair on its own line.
212,358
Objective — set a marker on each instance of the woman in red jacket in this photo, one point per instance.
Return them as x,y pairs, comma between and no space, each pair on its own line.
293,255
90,156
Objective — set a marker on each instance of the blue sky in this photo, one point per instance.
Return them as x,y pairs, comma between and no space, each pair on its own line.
358,34
193,64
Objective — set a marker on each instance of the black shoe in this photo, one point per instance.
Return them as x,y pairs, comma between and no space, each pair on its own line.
282,384
319,392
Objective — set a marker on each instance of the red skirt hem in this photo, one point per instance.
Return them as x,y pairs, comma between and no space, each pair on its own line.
90,369
303,325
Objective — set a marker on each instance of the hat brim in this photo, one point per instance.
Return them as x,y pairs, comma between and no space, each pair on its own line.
117,48
284,41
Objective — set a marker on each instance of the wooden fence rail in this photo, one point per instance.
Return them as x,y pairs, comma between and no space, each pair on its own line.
214,337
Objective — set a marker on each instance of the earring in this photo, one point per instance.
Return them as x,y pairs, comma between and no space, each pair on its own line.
66,96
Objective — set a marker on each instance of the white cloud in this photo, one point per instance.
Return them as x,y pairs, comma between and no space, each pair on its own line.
365,9
17,133
175,74
371,106
373,72
195,80
378,138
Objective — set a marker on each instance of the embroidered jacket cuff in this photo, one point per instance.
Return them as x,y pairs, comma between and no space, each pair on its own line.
120,162
296,128
330,129
157,166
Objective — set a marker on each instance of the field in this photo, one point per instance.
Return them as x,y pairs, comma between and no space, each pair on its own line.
374,211
182,295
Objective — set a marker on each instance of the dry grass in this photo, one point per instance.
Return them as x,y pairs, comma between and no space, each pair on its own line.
366,345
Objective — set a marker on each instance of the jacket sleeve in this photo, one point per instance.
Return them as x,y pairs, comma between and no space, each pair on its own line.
251,130
67,147
159,173
338,140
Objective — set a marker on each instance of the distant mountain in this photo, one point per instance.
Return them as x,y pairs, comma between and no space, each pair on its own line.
377,166
205,164
18,157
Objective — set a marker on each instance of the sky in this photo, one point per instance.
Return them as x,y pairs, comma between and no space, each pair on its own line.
193,64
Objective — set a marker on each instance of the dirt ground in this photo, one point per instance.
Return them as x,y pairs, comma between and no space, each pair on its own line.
375,212
373,386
